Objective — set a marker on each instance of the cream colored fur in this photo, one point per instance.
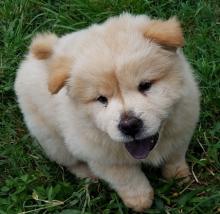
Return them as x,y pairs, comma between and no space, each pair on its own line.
110,59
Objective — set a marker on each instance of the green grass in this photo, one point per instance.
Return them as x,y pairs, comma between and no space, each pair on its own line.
30,183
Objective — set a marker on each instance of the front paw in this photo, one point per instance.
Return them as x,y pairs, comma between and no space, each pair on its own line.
138,201
177,171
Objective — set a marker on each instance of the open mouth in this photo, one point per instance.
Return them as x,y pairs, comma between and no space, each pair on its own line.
139,149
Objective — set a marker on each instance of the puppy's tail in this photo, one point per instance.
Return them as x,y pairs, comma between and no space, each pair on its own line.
42,45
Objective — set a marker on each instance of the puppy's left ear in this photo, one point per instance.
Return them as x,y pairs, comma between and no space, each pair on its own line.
166,33
59,73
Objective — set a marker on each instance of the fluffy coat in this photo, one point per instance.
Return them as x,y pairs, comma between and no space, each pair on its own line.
58,83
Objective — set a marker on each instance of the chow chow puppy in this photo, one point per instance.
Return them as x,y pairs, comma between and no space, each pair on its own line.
107,98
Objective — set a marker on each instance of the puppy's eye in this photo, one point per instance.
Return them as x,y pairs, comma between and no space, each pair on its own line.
102,100
144,86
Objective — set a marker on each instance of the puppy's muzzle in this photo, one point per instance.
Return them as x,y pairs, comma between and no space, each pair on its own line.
130,125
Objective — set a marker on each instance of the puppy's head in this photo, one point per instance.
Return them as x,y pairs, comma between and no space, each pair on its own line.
126,76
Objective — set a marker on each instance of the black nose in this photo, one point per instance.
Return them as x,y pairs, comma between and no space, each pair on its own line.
130,125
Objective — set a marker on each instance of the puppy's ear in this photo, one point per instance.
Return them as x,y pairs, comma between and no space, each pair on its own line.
42,45
166,33
59,72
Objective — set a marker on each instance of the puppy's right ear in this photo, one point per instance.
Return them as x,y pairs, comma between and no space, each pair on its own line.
59,72
42,45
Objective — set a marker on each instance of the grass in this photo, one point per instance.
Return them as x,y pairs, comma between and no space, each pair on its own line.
30,183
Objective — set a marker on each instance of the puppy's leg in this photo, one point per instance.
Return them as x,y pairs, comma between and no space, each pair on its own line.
176,167
47,136
52,142
130,183
81,170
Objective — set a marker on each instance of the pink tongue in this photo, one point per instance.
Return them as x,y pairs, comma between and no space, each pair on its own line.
139,149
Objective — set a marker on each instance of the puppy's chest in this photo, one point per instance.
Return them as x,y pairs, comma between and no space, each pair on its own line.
97,149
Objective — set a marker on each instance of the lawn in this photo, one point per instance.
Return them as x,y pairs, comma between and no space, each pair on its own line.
30,183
